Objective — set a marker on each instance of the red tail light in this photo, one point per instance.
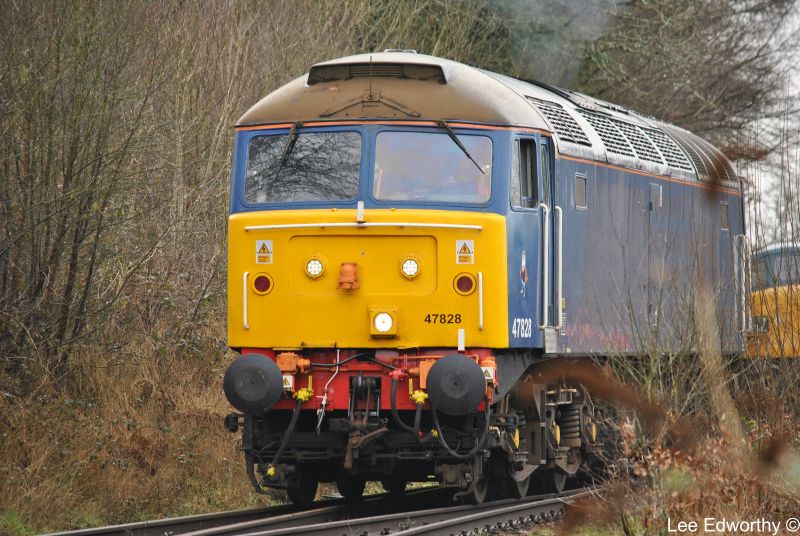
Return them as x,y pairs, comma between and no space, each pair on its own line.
464,284
262,283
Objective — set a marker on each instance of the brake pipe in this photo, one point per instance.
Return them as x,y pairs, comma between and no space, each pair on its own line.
393,397
272,467
324,402
440,437
422,438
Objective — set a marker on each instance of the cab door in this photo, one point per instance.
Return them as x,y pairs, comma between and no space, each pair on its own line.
534,252
551,272
525,223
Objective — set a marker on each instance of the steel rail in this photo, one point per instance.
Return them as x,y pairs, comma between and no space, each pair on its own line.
159,527
502,517
438,521
181,525
300,522
283,515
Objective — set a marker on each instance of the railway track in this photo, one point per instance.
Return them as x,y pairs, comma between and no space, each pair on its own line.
445,521
182,525
283,515
380,514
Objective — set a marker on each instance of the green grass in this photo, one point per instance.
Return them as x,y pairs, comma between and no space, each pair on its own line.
13,524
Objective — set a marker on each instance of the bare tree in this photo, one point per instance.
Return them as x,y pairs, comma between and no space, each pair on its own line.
712,67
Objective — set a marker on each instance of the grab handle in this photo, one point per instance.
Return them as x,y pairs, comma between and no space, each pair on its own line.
244,300
743,258
560,275
480,300
545,263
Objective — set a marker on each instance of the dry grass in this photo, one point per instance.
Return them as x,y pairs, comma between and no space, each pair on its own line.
751,476
147,442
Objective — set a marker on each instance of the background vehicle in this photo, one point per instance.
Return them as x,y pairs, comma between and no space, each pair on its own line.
411,237
775,300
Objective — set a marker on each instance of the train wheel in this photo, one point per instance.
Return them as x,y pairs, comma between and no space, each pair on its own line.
558,481
516,489
502,484
477,492
548,481
395,486
302,490
351,488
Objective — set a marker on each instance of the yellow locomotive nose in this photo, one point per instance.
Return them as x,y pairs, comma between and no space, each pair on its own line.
327,279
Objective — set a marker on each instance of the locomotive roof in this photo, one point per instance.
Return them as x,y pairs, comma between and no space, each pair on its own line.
416,87
786,248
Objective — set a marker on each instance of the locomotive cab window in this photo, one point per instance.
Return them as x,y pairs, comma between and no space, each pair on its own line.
308,166
545,158
425,167
776,269
523,180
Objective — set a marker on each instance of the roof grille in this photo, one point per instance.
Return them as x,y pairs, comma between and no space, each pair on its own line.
345,71
565,126
710,163
672,152
611,136
645,149
376,70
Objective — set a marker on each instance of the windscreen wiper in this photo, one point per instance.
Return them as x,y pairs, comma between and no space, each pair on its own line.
288,146
455,139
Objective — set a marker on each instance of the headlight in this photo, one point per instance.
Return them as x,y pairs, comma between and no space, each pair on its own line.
383,322
314,268
410,268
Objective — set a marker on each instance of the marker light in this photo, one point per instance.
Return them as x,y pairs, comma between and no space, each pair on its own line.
383,322
314,268
410,268
262,283
464,284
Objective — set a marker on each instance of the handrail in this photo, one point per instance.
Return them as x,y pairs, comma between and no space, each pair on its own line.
743,257
560,277
545,263
244,300
480,300
364,225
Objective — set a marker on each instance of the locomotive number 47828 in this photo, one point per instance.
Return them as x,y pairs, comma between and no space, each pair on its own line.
442,318
522,328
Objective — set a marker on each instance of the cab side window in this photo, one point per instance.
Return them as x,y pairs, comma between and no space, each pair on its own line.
545,174
523,179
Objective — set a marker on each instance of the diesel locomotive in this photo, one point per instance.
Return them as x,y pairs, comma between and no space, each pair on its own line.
775,329
411,237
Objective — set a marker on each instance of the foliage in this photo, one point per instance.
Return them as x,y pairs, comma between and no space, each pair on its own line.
713,67
115,157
